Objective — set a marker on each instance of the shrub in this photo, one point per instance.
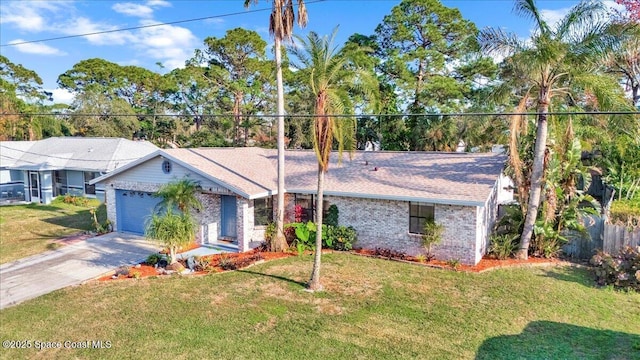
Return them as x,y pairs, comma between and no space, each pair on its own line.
332,216
153,259
626,212
621,271
340,238
75,200
454,263
136,274
270,232
305,235
421,258
432,236
97,226
227,262
389,254
503,246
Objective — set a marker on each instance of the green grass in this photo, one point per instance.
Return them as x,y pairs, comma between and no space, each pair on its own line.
371,309
30,229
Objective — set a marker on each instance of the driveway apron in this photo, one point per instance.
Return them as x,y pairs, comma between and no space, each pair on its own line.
40,274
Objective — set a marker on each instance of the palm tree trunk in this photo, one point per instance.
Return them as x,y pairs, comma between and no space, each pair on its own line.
314,283
537,173
279,243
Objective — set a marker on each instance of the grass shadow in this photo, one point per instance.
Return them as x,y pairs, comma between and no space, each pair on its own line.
552,340
576,275
300,283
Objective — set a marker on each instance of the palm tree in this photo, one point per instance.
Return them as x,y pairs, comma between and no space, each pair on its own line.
175,229
180,194
549,66
332,79
623,57
281,27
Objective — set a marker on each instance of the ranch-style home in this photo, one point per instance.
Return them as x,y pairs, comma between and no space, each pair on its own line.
385,196
38,171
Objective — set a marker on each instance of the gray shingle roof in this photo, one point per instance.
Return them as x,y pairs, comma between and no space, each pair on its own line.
450,178
73,153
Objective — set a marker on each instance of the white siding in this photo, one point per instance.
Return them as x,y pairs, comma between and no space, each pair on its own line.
151,172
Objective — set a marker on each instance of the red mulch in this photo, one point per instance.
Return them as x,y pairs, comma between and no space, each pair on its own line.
485,264
148,270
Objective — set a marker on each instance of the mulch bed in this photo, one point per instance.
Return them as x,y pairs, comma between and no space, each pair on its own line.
486,264
217,263
222,262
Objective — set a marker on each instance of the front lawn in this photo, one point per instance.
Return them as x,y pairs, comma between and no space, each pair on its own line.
30,229
371,309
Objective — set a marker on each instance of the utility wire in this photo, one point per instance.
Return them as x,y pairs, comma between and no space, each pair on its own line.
334,115
148,26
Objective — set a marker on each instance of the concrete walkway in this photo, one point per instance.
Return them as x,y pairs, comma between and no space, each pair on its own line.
40,274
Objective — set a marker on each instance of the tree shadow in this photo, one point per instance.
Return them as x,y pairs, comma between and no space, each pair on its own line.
572,274
552,340
303,284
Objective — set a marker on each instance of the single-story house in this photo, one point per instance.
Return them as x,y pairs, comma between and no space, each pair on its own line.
38,171
385,196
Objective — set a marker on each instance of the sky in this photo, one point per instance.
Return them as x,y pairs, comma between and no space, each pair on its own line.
171,45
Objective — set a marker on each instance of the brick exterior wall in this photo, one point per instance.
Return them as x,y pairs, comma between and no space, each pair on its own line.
379,223
385,224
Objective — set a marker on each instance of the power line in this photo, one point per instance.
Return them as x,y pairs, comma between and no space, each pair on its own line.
336,115
148,26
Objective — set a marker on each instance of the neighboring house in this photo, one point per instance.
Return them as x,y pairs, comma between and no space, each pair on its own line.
38,171
385,196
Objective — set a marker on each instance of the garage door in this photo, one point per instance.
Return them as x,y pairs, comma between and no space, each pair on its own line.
133,208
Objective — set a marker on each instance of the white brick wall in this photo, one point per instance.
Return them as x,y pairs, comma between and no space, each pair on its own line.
385,224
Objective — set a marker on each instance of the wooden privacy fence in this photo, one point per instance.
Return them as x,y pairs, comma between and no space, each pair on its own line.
608,237
616,237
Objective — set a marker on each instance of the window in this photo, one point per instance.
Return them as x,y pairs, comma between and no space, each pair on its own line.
60,179
308,203
166,166
88,176
419,213
262,211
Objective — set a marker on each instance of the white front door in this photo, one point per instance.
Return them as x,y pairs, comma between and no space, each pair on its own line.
34,186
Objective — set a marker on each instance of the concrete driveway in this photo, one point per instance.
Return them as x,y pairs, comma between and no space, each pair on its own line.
40,274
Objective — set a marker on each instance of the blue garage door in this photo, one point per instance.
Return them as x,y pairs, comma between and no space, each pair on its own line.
133,208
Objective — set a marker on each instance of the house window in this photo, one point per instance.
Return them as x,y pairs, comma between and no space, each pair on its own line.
60,179
88,176
419,214
262,211
307,204
166,166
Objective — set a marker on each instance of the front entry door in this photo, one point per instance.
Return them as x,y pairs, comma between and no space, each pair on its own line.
228,217
34,186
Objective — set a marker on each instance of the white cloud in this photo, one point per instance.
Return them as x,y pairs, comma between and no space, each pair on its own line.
132,9
215,21
82,25
553,17
61,96
612,5
35,48
171,45
157,3
33,16
22,16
